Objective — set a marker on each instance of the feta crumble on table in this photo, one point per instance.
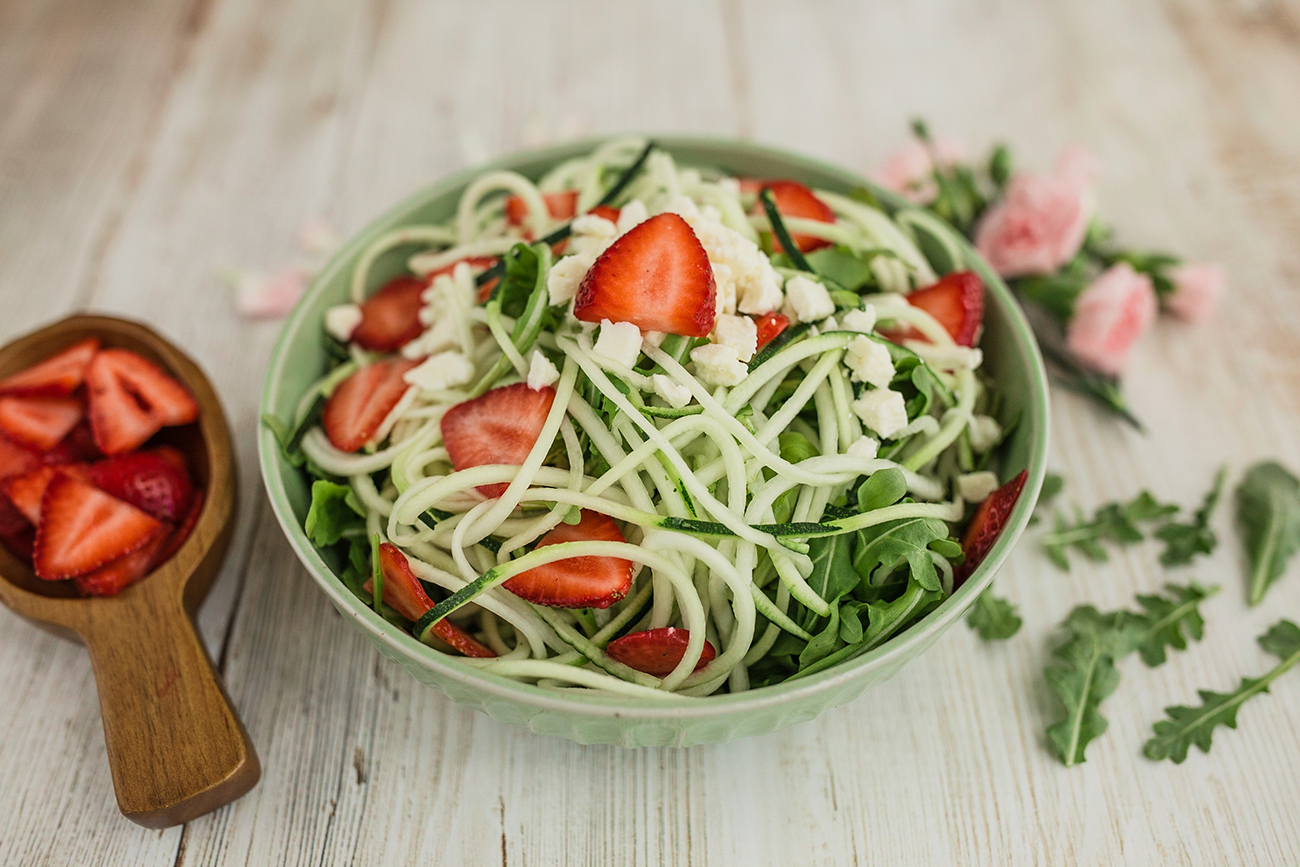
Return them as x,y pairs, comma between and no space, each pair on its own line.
806,300
441,372
882,410
341,320
619,342
541,372
870,362
984,432
976,487
863,447
675,394
738,332
860,320
717,364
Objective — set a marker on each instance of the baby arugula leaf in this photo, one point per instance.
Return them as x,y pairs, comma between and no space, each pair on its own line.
832,575
1114,522
883,548
1185,541
993,618
1164,618
335,513
1268,517
1195,725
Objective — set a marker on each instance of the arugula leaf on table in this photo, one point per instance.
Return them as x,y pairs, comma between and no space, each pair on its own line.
334,513
1185,541
1164,618
1113,522
993,618
1268,517
1186,726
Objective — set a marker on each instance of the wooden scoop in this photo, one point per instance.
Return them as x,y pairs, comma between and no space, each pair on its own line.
175,746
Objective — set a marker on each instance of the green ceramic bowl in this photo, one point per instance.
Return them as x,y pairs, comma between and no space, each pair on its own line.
1011,356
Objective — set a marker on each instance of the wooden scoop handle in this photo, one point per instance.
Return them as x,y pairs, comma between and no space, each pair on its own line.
176,748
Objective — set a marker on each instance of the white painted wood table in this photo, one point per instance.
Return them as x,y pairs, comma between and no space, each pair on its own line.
146,145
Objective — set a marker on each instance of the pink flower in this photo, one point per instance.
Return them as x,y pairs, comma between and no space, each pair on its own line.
908,170
259,296
1109,317
1041,222
1196,291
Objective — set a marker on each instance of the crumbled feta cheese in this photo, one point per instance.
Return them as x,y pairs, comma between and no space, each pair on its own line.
863,447
717,364
976,487
947,357
806,300
632,214
441,372
869,361
860,320
984,433
730,186
725,288
738,332
676,395
619,342
443,334
684,207
341,320
757,286
760,289
541,372
592,233
652,338
566,275
883,411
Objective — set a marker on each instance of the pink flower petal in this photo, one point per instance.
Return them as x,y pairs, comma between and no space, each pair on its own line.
1197,288
1038,226
260,296
907,170
1109,317
1078,165
317,236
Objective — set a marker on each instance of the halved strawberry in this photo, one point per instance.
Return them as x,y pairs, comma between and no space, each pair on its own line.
391,317
607,212
656,651
497,427
57,376
112,578
131,399
956,301
27,491
150,481
78,447
770,326
656,276
40,422
16,458
561,206
403,591
578,582
182,532
986,525
82,528
359,405
793,199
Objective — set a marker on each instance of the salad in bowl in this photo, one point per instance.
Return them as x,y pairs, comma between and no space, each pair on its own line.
628,429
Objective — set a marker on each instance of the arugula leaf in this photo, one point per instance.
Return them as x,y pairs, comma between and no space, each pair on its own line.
1184,541
1268,518
334,513
1083,675
1186,726
882,488
824,643
915,380
883,548
832,575
993,618
290,437
1114,522
1162,623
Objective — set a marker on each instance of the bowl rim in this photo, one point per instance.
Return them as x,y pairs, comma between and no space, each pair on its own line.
400,644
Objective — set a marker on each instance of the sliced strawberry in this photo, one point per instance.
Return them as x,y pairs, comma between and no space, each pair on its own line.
16,459
578,582
131,399
656,276
656,651
27,491
561,206
78,447
391,317
956,301
182,532
359,405
112,578
795,200
497,427
607,212
750,186
770,326
57,376
150,481
40,422
403,591
986,526
20,541
82,528
173,456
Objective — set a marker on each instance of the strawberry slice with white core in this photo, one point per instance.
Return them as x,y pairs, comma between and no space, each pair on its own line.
57,376
403,591
656,651
40,422
131,399
83,528
793,199
360,403
578,582
956,302
112,578
391,317
986,526
16,458
656,276
560,206
497,427
26,492
770,326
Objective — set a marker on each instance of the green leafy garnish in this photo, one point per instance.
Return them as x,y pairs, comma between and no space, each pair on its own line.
1185,541
290,437
1164,619
993,618
1268,517
883,548
1195,725
334,513
1114,522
